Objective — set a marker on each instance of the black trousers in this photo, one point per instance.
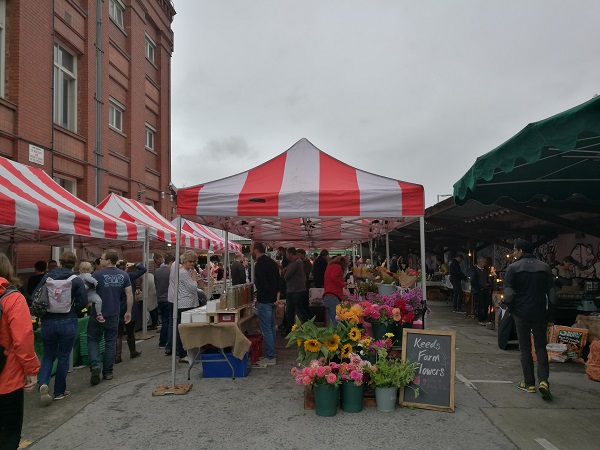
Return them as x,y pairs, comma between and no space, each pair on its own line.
296,304
525,328
483,300
457,296
11,419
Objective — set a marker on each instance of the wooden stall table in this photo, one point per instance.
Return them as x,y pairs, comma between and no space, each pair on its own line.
221,335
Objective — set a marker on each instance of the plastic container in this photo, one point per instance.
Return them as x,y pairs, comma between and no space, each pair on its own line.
256,345
214,366
386,289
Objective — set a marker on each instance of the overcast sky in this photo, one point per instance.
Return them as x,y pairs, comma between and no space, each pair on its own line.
413,90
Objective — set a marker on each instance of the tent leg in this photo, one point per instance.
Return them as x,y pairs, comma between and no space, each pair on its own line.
423,273
175,303
226,265
145,285
387,250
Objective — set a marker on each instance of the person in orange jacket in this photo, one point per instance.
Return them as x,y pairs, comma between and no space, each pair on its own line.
22,365
334,284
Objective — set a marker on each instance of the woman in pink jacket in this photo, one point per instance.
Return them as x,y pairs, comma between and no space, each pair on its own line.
334,286
21,368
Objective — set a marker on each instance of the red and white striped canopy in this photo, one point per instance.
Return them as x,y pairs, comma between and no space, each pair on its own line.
217,243
303,196
160,229
34,206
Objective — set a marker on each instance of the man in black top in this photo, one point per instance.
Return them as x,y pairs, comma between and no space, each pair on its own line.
267,281
528,288
319,267
480,288
238,271
34,280
456,276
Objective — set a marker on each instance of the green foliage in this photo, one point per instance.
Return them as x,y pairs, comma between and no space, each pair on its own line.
389,372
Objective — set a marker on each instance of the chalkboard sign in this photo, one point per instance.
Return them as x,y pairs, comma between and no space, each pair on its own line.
434,351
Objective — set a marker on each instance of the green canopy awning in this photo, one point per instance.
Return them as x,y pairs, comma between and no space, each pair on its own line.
555,157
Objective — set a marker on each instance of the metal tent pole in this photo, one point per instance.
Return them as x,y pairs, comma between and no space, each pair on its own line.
145,285
423,274
175,303
387,250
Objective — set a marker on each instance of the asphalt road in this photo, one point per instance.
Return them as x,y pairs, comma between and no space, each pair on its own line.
265,409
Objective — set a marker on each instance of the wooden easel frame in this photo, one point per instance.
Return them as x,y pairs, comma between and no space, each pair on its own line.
452,335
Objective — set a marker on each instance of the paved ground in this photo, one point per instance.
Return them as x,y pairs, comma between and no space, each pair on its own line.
265,410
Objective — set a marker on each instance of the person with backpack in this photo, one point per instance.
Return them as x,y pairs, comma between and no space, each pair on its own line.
19,365
66,295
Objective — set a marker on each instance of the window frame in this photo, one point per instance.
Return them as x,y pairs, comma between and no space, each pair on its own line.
151,131
150,44
60,74
68,184
118,19
117,107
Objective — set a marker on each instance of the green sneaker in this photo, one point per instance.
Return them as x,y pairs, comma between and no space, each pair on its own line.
526,387
545,390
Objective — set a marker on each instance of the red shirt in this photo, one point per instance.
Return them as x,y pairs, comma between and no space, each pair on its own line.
334,281
16,336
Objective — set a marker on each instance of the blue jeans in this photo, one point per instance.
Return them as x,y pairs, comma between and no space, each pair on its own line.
179,350
95,331
330,302
266,317
58,336
165,310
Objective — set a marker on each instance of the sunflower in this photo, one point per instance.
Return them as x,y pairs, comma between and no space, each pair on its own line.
333,343
294,326
354,334
346,350
312,345
299,342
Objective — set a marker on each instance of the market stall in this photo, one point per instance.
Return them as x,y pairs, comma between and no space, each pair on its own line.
304,197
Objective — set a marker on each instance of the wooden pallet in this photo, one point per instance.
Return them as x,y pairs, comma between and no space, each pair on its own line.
166,389
238,313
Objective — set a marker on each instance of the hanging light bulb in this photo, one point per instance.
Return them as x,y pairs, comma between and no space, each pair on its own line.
470,253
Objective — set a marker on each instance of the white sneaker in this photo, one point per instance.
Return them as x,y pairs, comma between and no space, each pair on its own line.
269,362
45,397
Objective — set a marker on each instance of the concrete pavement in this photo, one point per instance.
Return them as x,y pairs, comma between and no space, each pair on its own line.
265,410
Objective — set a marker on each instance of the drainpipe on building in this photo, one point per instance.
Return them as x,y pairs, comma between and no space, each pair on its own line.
52,93
98,98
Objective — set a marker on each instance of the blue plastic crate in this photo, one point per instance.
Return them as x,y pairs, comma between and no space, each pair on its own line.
214,366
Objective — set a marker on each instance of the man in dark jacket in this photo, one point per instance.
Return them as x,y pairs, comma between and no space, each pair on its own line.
238,271
267,282
319,268
297,294
528,287
456,276
480,289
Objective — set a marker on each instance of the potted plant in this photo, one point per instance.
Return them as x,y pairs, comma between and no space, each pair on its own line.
368,348
325,379
352,376
388,375
315,342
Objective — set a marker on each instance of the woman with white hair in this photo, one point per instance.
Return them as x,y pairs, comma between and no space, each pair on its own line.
187,298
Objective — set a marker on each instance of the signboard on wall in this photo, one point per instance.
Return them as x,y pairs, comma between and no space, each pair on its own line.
36,154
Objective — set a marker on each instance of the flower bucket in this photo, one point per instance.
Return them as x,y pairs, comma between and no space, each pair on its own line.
386,398
326,399
386,289
398,332
380,329
351,397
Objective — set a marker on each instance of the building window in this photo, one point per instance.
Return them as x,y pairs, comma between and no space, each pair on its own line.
65,88
2,44
116,9
67,184
150,46
150,133
115,114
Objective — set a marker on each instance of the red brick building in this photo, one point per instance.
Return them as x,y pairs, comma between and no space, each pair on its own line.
86,95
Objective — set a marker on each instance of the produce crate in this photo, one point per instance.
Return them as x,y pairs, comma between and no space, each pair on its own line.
256,345
214,366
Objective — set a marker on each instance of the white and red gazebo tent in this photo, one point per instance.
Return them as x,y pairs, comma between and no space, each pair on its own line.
305,197
216,242
33,207
160,230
